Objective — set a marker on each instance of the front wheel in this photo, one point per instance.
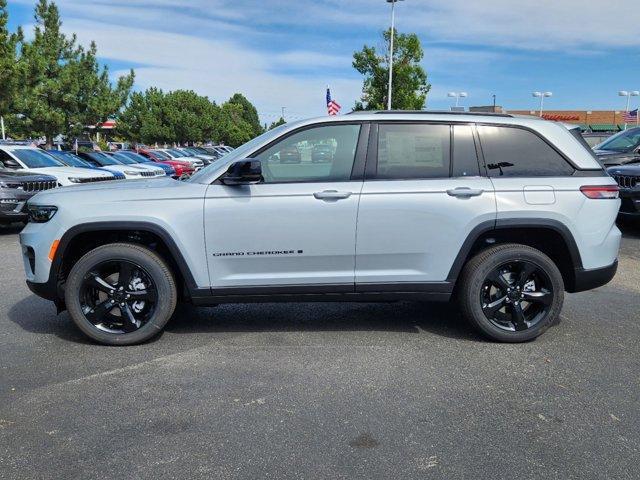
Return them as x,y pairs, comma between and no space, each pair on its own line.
120,294
511,292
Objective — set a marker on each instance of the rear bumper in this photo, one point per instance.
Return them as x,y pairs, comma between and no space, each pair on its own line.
588,279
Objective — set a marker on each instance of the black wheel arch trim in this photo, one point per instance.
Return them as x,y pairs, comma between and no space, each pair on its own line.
509,223
51,289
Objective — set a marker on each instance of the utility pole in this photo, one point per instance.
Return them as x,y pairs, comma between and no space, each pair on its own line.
2,127
393,23
283,112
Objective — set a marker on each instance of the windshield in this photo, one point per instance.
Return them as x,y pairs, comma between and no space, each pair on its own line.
239,153
622,142
177,153
123,158
161,155
34,158
70,159
103,159
135,156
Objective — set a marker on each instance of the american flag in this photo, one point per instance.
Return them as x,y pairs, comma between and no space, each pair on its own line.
631,116
333,107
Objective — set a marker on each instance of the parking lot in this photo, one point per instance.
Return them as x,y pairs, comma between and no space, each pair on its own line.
401,390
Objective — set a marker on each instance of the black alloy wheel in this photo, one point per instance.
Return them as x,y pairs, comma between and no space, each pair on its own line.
516,295
118,296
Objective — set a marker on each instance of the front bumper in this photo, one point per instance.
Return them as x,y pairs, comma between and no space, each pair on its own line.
13,212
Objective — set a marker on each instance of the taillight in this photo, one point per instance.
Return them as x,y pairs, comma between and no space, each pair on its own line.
601,191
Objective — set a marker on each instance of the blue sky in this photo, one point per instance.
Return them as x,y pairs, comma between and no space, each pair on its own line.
284,53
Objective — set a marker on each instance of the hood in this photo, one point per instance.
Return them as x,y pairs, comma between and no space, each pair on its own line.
629,169
21,176
122,191
616,158
67,172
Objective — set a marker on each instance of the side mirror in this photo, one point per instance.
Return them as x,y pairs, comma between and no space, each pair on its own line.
243,172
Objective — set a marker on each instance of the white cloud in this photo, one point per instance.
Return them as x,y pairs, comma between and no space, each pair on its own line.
217,68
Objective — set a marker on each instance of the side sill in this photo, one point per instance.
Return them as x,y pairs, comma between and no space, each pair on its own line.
213,300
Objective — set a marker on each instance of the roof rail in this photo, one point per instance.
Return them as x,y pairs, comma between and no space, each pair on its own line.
428,112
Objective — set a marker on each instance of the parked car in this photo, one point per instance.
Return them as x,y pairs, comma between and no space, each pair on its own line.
72,160
131,172
183,169
628,178
34,160
621,148
322,153
139,159
196,163
215,151
16,187
159,169
290,154
205,157
509,212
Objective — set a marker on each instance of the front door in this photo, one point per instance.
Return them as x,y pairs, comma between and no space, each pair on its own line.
296,228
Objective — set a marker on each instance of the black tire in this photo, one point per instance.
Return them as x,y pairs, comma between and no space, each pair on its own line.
158,295
499,299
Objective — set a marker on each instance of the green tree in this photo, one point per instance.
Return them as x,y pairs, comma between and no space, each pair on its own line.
231,127
280,121
62,89
410,86
8,62
249,112
191,117
143,120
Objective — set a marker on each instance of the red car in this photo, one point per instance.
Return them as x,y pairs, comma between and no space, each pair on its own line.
183,169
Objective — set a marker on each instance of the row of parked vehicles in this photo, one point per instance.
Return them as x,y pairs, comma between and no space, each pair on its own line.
26,170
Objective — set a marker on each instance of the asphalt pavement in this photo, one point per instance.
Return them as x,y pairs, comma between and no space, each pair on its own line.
322,391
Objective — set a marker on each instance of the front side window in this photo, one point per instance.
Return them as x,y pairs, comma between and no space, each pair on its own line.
515,152
408,151
319,154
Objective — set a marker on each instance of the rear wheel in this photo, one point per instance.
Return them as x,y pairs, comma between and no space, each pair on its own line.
511,293
120,294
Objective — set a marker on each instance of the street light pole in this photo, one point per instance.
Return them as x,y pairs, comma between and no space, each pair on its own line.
393,22
457,96
542,96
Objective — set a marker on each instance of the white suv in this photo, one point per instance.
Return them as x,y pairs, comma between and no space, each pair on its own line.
503,213
31,159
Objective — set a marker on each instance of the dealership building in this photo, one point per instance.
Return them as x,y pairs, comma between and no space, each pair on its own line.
589,120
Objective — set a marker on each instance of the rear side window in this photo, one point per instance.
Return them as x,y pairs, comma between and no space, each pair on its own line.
408,151
465,157
515,152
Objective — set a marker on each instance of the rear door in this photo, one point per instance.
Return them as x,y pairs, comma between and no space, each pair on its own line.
295,231
422,196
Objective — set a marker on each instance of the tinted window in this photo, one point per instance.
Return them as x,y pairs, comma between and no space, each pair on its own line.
297,158
515,152
465,158
413,151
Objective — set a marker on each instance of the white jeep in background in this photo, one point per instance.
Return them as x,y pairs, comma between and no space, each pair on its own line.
502,213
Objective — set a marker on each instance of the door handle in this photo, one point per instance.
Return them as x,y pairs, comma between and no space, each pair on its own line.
331,195
465,192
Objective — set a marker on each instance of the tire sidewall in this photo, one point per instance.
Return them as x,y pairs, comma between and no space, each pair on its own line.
153,266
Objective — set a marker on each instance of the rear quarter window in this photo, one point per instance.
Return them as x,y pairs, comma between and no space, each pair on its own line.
516,152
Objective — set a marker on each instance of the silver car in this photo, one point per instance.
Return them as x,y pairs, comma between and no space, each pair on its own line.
505,212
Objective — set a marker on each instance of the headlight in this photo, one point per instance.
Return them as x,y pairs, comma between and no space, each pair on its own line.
131,172
75,179
41,213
